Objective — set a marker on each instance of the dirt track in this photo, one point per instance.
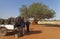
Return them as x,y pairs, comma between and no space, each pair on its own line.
39,32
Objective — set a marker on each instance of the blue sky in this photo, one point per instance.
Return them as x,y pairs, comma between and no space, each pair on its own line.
10,8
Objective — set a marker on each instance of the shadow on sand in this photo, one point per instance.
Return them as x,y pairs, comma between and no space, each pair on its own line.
10,33
33,32
26,33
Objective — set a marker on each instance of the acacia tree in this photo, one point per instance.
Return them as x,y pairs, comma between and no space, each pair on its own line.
37,11
24,11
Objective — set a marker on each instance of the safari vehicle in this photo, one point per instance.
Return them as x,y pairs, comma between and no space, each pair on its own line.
4,29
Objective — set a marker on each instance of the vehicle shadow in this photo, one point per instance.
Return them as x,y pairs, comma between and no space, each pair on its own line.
26,33
10,33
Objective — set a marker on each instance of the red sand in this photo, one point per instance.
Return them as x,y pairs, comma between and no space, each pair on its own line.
39,32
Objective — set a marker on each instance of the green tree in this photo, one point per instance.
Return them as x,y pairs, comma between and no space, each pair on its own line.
1,21
11,20
37,11
24,11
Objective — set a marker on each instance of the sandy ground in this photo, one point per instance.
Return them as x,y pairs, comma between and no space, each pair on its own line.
38,32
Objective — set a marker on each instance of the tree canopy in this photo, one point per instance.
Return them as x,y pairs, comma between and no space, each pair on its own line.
37,11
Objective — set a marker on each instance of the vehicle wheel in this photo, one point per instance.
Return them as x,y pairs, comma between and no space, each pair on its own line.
3,32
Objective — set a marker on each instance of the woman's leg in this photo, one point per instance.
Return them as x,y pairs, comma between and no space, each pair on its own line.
22,31
16,32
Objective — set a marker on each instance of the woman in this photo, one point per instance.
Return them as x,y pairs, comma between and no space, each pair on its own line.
17,26
22,26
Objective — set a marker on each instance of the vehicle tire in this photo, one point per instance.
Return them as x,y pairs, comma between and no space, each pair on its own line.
3,32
